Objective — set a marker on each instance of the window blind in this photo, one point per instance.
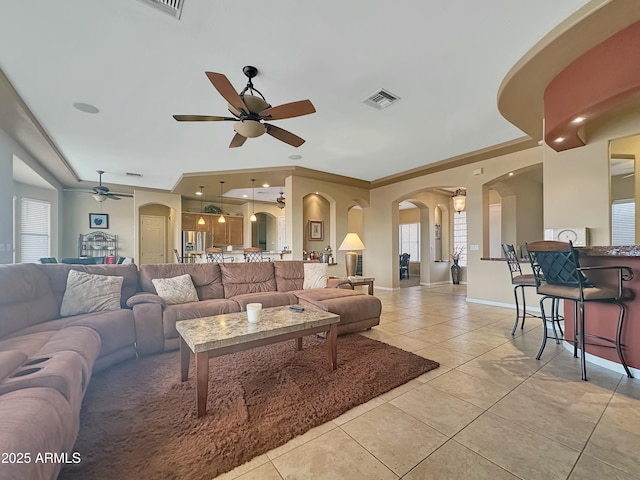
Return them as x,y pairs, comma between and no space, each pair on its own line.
410,240
623,222
35,230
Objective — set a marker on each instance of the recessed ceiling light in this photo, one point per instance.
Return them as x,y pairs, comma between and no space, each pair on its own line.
578,120
511,174
559,140
86,108
198,193
265,185
295,157
245,196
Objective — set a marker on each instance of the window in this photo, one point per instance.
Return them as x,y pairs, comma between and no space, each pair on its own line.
623,222
35,230
410,240
460,236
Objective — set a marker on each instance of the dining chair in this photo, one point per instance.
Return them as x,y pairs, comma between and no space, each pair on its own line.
404,265
558,275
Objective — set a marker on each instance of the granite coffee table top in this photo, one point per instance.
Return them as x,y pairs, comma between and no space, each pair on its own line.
218,331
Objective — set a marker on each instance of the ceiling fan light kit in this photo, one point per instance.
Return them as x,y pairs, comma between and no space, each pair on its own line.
250,111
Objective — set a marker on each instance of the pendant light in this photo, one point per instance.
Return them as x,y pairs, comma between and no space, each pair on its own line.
201,219
253,217
221,219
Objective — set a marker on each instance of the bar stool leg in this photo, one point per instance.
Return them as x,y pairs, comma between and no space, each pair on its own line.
583,354
619,343
544,328
515,295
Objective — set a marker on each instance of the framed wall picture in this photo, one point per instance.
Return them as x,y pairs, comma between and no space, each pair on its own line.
316,230
98,220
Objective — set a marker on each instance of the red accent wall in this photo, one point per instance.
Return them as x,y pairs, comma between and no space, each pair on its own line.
600,79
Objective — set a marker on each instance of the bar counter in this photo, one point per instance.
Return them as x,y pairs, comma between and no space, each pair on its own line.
601,319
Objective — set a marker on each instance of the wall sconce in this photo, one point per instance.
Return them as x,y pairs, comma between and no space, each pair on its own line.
460,200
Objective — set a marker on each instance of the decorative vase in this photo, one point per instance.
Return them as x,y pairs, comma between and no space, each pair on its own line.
455,272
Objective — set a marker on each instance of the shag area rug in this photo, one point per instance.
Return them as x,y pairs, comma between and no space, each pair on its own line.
139,421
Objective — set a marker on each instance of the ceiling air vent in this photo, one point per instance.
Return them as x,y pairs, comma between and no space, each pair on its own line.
381,99
132,174
172,7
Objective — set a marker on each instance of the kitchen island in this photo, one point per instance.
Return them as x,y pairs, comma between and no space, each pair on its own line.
600,318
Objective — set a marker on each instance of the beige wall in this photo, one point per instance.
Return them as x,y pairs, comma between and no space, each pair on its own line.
487,281
77,206
409,215
576,182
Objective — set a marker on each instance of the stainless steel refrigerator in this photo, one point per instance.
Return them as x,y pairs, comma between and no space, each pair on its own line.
195,242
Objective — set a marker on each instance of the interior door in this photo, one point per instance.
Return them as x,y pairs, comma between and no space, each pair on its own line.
153,235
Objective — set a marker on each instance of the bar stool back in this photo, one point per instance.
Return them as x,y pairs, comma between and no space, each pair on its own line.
559,276
520,281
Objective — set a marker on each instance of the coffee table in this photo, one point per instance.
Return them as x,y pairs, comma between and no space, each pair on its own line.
231,332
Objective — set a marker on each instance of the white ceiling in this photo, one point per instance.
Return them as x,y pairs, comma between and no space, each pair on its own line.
139,66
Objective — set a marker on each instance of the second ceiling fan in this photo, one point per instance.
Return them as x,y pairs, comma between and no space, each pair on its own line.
250,111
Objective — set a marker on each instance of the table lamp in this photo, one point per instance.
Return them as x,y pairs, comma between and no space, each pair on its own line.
351,242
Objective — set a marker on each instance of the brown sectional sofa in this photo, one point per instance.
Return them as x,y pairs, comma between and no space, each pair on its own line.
46,361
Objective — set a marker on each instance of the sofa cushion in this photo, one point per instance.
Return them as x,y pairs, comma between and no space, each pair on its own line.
315,275
176,290
58,274
116,328
241,278
206,277
351,308
289,275
188,311
320,294
267,299
87,293
26,297
39,420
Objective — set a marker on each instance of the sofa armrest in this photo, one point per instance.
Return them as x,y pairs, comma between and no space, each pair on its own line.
339,283
140,298
147,317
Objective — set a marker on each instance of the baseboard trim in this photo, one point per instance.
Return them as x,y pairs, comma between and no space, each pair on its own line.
511,306
603,362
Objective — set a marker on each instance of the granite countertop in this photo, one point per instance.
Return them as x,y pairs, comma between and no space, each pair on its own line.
611,251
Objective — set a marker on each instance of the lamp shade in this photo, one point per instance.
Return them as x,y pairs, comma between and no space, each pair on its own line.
352,242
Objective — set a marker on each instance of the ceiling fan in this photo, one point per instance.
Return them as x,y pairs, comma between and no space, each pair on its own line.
101,193
250,111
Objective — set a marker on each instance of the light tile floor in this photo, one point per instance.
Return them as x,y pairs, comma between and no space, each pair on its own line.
491,411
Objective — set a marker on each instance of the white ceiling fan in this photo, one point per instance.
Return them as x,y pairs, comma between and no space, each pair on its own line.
101,193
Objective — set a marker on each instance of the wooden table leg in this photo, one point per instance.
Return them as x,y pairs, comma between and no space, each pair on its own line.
185,356
299,343
202,381
370,288
332,345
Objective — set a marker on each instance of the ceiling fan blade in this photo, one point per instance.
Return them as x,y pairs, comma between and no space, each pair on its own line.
284,135
237,141
112,196
288,110
202,118
224,88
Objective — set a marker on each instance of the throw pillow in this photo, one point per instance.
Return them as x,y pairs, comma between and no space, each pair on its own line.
176,290
87,292
315,275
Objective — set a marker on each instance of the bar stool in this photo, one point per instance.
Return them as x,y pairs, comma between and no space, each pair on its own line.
520,281
558,275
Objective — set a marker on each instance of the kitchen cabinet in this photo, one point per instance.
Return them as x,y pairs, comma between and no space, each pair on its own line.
231,232
190,222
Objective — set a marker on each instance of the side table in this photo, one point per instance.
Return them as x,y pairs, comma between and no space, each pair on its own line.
357,281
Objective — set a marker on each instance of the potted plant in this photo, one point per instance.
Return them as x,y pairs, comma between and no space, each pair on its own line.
456,268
